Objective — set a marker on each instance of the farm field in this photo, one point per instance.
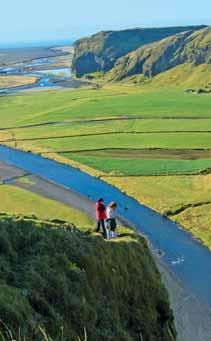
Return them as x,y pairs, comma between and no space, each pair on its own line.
126,141
119,101
135,138
140,166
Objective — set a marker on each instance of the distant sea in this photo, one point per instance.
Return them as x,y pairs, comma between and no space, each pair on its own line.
47,43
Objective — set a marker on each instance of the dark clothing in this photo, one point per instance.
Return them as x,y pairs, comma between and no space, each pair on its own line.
101,223
111,223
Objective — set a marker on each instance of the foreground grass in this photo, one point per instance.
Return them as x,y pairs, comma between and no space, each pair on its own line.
19,201
176,197
67,282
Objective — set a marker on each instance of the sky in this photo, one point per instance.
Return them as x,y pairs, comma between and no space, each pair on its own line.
44,20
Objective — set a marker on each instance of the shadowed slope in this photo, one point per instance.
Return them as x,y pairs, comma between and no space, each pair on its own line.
100,51
54,276
153,59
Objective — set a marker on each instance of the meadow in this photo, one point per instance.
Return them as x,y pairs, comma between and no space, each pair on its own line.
133,137
139,166
109,101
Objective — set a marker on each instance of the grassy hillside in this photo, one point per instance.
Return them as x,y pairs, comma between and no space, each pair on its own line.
100,51
66,283
182,76
153,59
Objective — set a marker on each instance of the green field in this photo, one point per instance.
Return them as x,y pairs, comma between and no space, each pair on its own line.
128,140
123,133
117,125
106,102
141,167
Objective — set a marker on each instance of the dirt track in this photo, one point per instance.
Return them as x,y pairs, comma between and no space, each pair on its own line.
193,318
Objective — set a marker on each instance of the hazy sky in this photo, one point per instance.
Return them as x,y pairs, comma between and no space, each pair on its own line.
36,20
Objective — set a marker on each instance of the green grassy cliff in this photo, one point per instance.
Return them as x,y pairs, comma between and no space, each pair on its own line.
150,60
100,52
59,281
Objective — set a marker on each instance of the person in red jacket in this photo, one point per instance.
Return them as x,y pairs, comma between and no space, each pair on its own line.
100,210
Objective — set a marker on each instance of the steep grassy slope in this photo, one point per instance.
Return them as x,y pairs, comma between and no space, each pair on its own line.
152,59
100,51
187,76
67,282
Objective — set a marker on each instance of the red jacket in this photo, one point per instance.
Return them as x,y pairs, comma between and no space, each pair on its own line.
100,211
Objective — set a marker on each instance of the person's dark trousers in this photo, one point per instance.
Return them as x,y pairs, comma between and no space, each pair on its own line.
112,224
101,223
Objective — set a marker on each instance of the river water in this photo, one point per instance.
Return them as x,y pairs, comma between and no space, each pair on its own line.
184,256
47,76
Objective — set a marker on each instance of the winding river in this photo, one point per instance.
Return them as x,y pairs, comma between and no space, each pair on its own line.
47,75
184,256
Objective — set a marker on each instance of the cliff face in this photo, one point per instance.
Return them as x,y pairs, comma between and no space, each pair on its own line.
152,59
101,51
66,282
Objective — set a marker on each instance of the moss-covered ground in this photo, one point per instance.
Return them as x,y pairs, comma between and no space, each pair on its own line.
60,283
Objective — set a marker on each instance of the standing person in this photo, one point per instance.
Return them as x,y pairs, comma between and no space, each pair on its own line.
100,211
111,219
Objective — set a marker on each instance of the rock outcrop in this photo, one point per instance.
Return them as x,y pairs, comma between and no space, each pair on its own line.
100,52
150,60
